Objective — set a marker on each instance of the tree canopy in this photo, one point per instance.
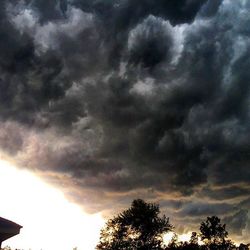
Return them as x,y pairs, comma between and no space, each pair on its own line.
213,231
139,227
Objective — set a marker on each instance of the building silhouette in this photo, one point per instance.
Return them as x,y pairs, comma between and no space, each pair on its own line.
8,229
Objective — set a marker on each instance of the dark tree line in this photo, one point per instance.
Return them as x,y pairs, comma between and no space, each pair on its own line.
141,227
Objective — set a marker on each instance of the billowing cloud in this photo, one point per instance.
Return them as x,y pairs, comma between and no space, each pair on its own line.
238,221
111,100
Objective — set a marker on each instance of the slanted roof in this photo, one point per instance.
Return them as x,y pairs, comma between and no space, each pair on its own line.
8,229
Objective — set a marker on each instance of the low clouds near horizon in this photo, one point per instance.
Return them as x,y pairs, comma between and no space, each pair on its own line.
119,99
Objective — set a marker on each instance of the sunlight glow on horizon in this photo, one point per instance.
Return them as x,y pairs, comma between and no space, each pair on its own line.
184,237
168,237
181,237
49,221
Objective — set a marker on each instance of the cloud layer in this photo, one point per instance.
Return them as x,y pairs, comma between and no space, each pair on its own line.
111,100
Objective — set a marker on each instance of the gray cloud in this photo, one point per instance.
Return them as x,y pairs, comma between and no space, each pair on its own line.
145,42
237,222
117,98
193,209
225,193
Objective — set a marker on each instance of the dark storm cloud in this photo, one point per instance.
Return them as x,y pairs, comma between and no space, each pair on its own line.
128,13
46,10
119,97
145,43
237,222
210,8
225,193
199,209
120,16
27,80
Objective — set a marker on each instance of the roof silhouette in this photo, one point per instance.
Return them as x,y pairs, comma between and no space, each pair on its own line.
8,229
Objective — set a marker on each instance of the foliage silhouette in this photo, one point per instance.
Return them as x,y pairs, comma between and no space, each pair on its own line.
194,238
139,227
213,233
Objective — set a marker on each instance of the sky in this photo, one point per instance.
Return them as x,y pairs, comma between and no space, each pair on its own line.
48,220
112,100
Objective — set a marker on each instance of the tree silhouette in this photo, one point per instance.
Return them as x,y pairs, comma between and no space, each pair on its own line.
194,238
173,244
213,233
139,227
